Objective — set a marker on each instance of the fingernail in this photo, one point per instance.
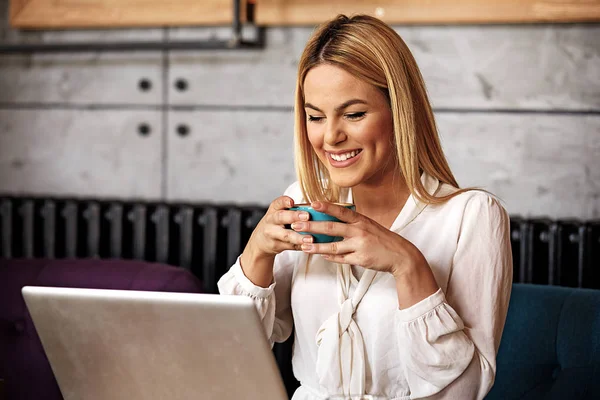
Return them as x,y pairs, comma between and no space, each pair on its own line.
307,239
304,216
316,204
307,247
297,226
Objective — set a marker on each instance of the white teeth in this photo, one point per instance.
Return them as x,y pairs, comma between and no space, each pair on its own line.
344,157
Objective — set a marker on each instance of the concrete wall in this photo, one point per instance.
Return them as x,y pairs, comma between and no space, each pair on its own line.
518,108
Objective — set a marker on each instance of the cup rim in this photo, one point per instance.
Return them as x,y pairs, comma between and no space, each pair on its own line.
308,205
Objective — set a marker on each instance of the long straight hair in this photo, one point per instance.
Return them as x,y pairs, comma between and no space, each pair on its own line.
372,51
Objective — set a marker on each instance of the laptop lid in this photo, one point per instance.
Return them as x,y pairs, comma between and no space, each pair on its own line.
136,345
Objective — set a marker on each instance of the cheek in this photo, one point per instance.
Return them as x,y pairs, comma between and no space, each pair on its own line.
370,134
379,137
314,137
383,134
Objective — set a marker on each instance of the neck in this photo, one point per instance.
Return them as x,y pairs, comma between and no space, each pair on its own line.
381,201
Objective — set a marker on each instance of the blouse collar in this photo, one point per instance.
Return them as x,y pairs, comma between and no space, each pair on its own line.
413,207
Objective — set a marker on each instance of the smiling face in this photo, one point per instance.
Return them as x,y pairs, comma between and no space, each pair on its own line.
349,125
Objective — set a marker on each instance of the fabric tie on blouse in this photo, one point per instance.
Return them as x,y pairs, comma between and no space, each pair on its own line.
341,354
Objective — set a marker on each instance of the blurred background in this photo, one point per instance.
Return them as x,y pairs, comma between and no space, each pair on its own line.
135,133
518,108
154,104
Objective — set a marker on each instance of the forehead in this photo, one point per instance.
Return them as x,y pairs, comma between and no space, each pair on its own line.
327,83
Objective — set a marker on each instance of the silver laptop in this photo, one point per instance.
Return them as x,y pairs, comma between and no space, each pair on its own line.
135,345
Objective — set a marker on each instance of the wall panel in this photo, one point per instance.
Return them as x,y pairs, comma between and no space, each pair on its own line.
495,67
80,153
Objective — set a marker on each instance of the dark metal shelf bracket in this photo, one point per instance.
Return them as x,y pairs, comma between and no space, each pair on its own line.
235,43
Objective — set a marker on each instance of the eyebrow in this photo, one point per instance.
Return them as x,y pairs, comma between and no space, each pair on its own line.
340,107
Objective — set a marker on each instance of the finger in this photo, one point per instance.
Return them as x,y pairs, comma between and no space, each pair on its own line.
289,236
342,213
330,228
286,217
288,246
340,259
333,248
294,243
280,239
281,203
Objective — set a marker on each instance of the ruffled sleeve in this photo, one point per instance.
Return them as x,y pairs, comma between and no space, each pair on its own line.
450,340
273,302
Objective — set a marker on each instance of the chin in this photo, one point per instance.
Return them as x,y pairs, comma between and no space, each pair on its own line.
344,181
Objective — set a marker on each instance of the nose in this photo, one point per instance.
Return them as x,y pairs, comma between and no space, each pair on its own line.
334,134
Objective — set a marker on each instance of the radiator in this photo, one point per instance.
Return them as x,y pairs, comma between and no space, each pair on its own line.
207,238
204,238
556,252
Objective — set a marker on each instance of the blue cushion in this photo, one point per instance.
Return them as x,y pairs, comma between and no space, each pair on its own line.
550,347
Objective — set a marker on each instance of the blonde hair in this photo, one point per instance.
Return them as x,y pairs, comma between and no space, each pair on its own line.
369,49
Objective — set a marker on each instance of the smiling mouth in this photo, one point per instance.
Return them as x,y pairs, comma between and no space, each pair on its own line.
344,156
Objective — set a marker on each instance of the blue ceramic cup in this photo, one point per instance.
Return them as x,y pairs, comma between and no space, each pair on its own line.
320,216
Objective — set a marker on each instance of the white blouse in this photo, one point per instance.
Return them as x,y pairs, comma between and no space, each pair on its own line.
350,335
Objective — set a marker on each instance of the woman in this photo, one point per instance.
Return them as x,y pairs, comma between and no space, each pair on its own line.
412,303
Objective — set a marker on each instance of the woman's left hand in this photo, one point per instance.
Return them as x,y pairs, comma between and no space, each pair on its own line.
366,243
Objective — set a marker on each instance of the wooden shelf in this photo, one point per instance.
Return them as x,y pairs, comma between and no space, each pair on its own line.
49,14
62,14
310,12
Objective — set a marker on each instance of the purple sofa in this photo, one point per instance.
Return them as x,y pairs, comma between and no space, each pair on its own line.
23,364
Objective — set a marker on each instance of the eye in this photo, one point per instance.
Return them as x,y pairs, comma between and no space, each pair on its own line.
356,115
312,118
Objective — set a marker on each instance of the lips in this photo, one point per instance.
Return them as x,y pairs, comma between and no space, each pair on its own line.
342,160
344,156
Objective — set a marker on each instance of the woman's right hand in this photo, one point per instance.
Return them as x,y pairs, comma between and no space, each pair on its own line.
271,237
